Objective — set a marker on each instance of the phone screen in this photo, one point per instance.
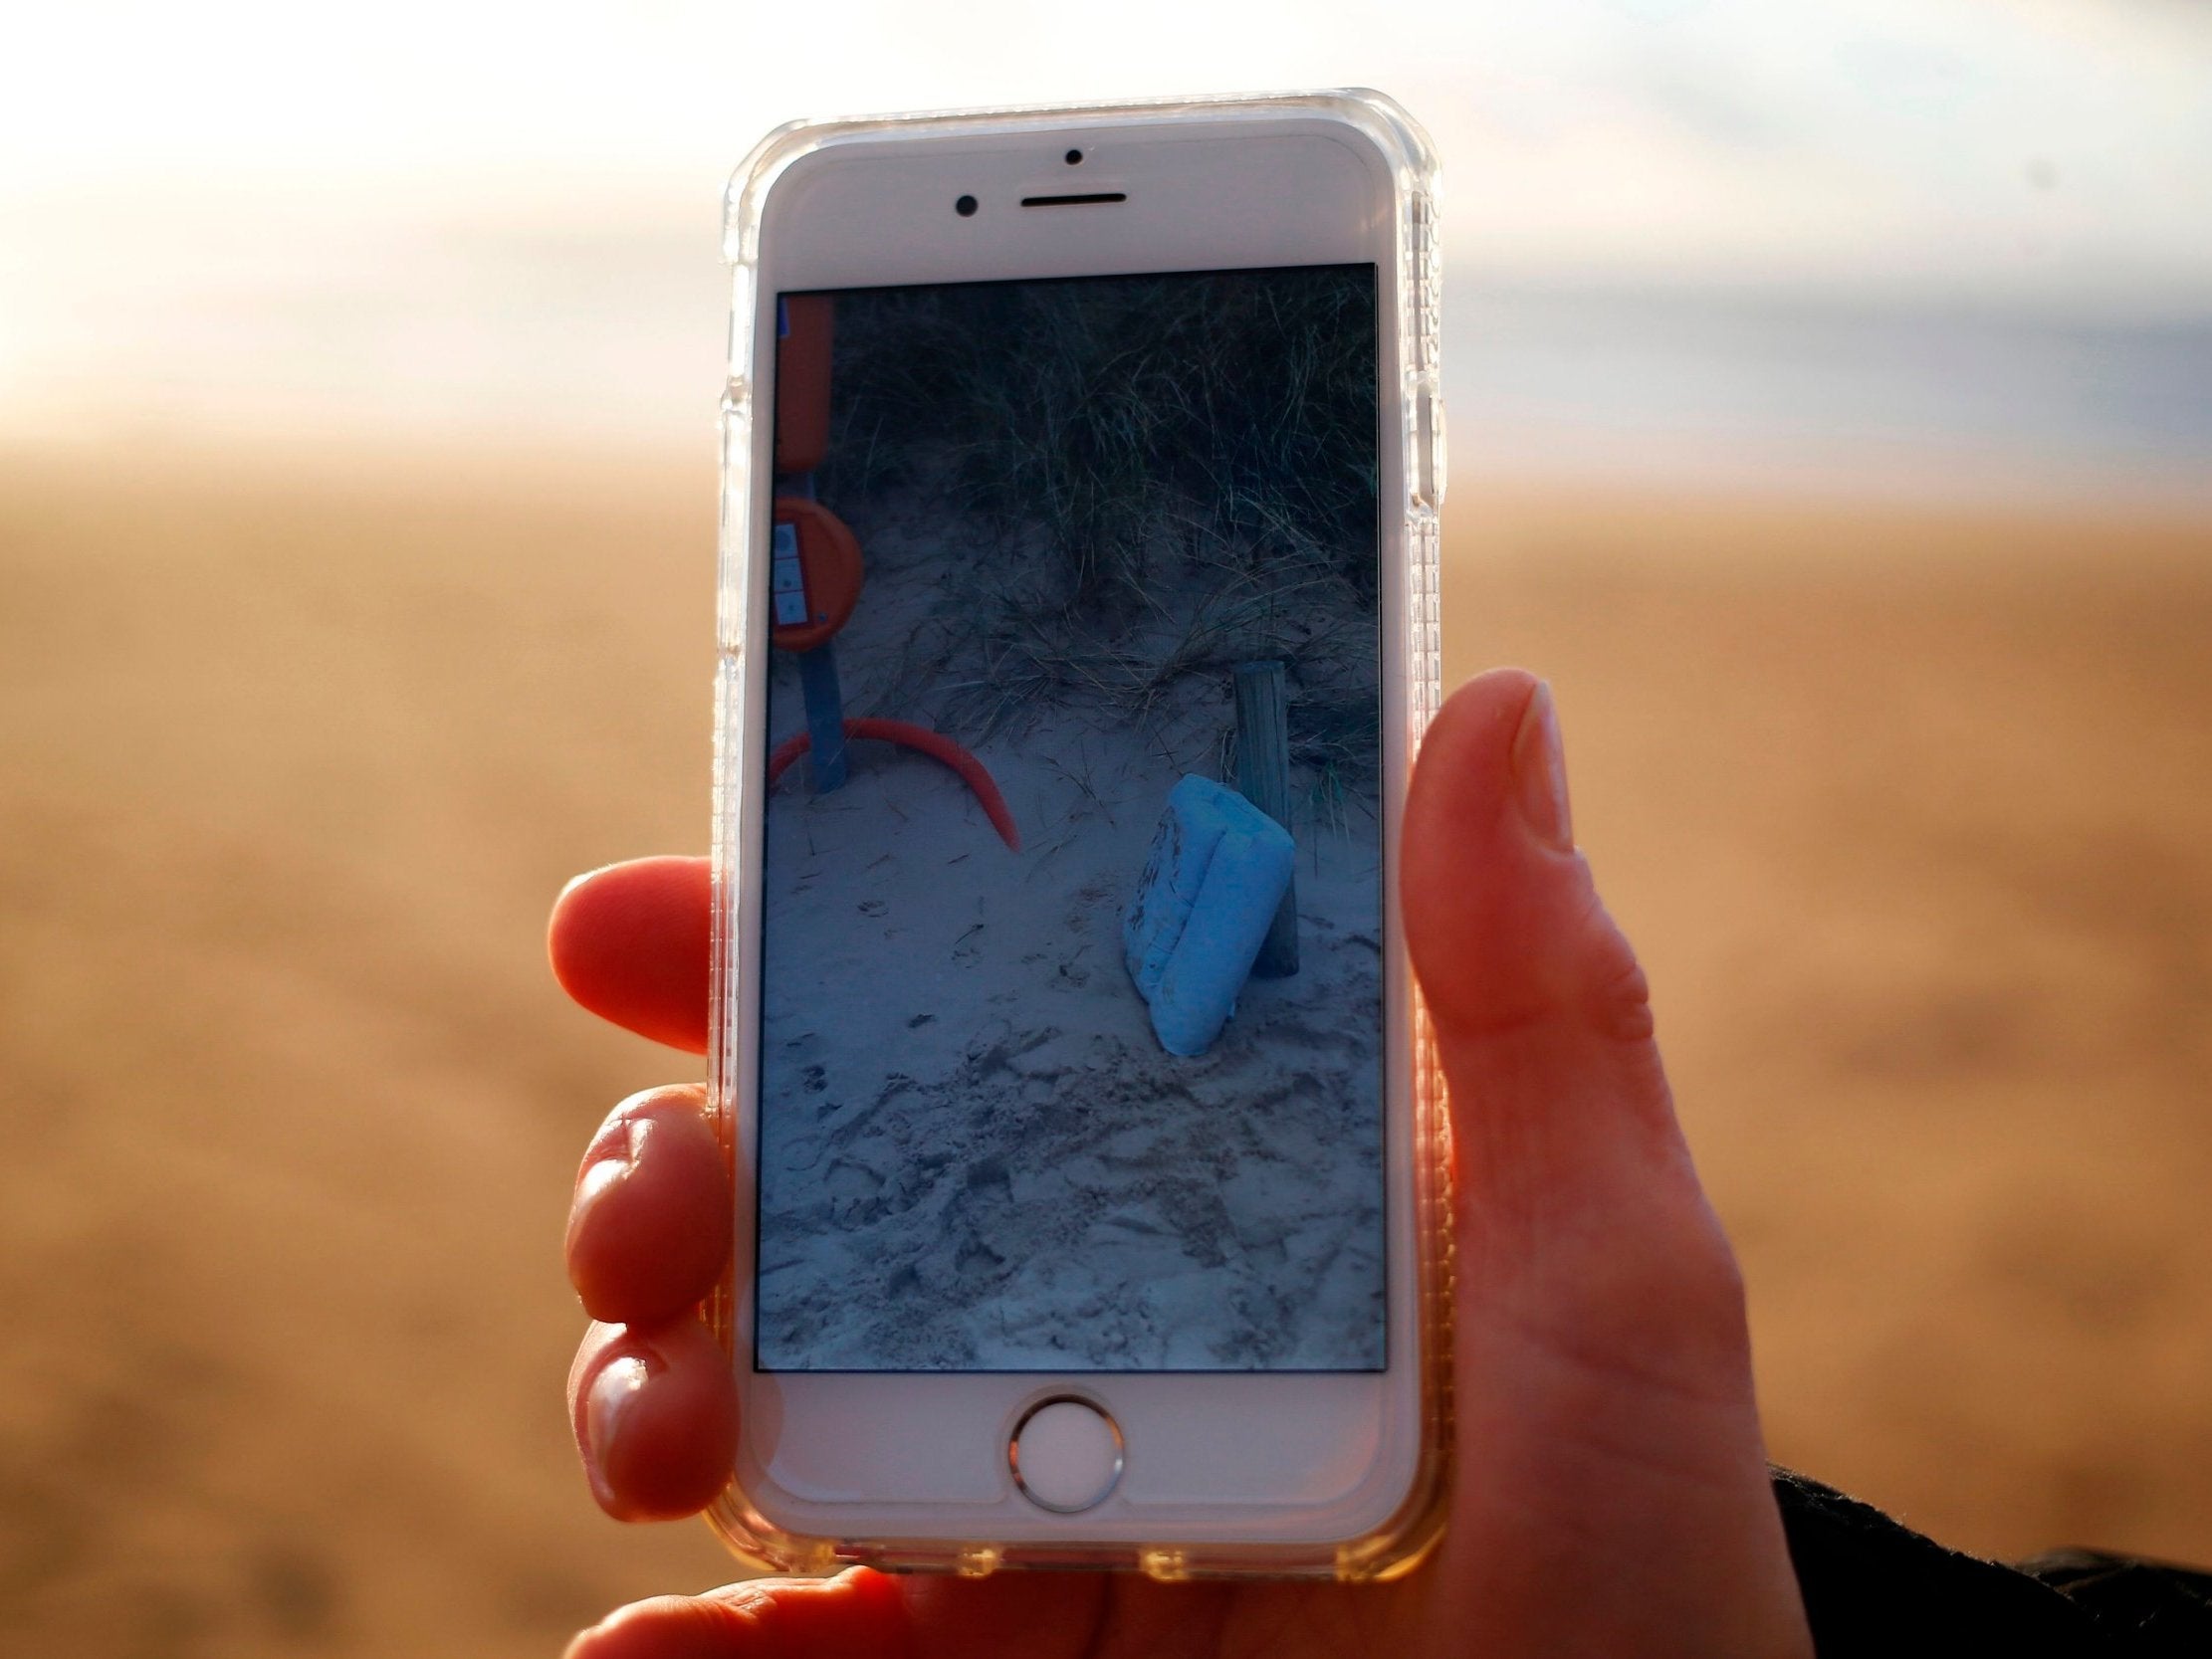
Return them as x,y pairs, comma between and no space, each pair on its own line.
1071,1030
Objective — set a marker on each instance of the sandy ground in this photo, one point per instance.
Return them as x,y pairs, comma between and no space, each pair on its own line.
1911,814
976,1153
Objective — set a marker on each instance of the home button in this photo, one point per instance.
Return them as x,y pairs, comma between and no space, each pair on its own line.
1065,1454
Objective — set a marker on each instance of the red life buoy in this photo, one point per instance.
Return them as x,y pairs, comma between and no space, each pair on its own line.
935,744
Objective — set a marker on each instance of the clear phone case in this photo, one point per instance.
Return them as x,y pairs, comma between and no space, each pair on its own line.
1411,293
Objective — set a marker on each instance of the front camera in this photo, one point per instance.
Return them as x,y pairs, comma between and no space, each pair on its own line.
1074,158
965,207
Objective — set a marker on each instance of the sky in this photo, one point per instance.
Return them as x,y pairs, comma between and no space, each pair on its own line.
241,210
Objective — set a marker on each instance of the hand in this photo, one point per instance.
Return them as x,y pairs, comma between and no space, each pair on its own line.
1611,1496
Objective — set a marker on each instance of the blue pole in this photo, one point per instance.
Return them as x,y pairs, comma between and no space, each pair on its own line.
825,716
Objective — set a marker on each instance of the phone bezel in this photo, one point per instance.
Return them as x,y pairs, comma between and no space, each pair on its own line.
1214,1457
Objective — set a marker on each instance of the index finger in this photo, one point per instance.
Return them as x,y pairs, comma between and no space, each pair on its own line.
631,943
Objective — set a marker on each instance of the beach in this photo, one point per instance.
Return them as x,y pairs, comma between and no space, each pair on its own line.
1908,808
976,1152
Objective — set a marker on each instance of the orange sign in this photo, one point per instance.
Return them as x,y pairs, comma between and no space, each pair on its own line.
803,337
814,573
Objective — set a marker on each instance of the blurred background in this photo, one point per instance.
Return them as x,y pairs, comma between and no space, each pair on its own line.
1830,417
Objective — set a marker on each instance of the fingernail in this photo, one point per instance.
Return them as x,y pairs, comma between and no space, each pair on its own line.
1540,772
613,1164
620,1381
623,1145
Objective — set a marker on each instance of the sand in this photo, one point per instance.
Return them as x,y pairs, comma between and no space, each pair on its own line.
1910,812
976,1152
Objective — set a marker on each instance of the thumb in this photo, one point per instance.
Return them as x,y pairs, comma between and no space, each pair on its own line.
1542,1016
1614,1493
1575,1188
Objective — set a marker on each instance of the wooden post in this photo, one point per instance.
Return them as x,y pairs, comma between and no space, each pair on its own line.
1263,778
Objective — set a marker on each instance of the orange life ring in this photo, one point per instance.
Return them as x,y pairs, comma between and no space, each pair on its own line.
935,744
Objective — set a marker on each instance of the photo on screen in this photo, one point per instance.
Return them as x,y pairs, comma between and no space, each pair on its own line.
1072,1009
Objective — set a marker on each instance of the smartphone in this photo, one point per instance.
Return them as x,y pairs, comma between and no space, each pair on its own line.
1078,577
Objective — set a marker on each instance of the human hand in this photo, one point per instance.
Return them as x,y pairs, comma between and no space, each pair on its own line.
1611,1495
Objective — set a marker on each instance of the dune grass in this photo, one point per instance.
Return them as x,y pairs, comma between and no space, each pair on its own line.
1145,480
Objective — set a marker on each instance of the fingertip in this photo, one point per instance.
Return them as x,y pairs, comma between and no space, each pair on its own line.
1491,701
1485,897
649,1226
1466,756
655,1417
631,943
1508,930
859,1614
583,879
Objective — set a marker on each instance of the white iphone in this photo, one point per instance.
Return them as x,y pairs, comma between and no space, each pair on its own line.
1079,624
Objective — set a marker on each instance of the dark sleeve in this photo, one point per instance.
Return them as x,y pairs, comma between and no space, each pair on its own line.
1871,1586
